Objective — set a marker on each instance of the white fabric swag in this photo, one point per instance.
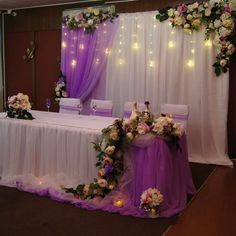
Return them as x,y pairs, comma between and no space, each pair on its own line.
152,61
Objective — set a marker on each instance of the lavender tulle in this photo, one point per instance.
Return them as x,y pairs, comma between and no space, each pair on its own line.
150,162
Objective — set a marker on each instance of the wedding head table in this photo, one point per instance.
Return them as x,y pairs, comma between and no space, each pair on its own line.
56,150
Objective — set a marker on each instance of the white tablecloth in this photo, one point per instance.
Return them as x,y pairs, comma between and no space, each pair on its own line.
52,149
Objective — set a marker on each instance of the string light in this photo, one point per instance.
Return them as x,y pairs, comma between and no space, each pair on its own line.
190,63
151,64
65,34
121,62
97,61
136,46
73,62
122,27
119,51
151,52
171,44
81,46
193,51
120,43
107,51
63,44
208,43
154,26
172,32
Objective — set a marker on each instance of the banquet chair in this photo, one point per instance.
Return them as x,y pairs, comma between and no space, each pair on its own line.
101,107
179,113
70,105
128,107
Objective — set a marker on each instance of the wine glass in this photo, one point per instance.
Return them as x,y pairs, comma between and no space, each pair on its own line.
80,108
94,107
48,103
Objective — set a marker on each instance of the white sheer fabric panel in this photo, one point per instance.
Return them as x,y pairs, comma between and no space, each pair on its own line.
152,61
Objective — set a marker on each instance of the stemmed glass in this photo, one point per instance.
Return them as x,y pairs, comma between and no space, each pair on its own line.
48,103
80,108
94,107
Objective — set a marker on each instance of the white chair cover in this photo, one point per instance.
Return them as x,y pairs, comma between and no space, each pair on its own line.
128,107
179,112
103,107
69,105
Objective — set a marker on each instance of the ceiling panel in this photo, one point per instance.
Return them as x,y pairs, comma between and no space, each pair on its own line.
17,4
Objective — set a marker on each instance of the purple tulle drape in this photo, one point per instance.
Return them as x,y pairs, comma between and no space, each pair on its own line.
150,162
84,57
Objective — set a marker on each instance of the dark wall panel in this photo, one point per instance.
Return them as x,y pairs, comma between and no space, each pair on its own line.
47,66
18,73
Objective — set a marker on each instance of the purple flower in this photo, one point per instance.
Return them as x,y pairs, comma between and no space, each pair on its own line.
227,9
108,169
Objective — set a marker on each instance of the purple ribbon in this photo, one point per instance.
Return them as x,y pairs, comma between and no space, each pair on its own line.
70,108
180,117
102,112
127,114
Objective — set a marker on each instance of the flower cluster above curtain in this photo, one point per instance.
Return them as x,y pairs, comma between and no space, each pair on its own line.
90,18
218,18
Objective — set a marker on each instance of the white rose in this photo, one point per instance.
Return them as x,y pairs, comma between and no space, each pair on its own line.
130,136
96,12
171,12
217,23
179,20
207,12
223,62
110,150
196,23
189,17
114,135
102,183
195,5
90,22
176,13
186,26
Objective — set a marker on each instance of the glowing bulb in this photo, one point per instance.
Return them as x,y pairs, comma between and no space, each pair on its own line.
122,27
154,26
40,182
121,62
81,46
107,51
104,24
135,46
193,51
151,52
63,44
170,24
208,43
138,26
119,50
151,64
104,31
120,43
97,61
171,44
65,34
172,32
190,63
73,62
118,203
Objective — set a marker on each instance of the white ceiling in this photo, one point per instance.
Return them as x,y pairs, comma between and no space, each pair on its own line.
18,4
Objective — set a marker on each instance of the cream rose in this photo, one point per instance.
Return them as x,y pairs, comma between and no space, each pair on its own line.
223,62
102,183
110,150
207,12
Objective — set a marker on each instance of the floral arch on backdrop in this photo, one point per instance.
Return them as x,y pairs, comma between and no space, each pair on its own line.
138,58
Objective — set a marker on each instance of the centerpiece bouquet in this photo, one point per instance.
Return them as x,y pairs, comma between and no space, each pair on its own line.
150,201
18,106
60,88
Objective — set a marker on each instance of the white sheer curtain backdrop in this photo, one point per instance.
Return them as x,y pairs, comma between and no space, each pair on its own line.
152,61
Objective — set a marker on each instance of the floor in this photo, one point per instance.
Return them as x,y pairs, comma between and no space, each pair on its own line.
212,211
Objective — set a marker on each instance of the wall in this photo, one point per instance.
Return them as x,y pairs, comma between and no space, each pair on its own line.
37,77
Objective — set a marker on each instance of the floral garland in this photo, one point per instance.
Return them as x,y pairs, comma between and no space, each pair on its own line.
115,141
60,88
18,106
89,19
219,19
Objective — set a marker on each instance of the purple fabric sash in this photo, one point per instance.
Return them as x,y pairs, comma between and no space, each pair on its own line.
180,117
102,112
70,108
127,114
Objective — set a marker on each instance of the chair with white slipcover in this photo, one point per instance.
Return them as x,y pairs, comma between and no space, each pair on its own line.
101,107
70,105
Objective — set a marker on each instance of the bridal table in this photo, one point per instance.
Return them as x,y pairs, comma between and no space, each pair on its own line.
55,150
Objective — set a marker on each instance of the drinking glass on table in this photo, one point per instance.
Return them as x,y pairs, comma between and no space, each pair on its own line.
94,107
80,108
48,103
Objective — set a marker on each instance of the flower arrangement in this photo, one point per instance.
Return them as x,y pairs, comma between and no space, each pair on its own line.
18,106
60,88
115,140
218,18
150,201
89,19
